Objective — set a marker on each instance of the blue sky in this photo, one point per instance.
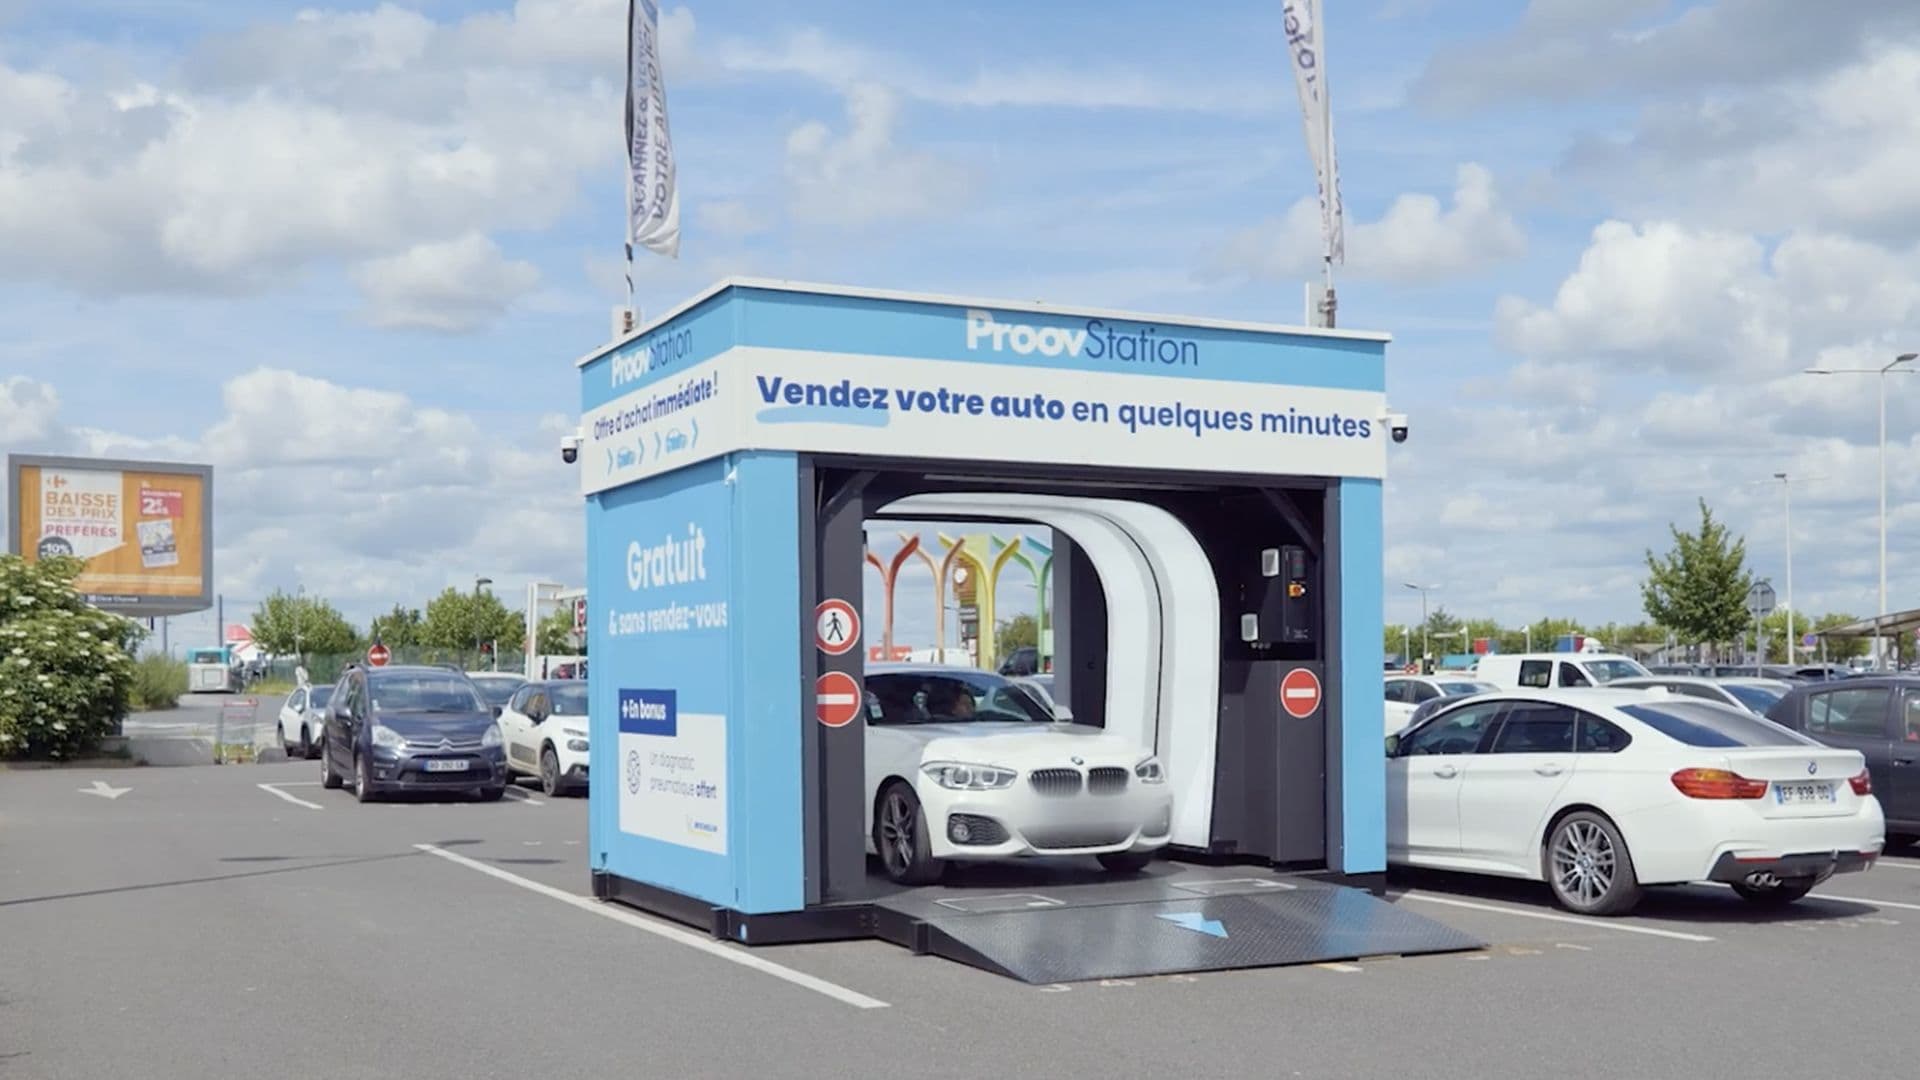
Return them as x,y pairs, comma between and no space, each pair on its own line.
348,254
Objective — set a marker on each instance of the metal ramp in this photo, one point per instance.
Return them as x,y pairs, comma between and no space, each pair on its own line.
1186,920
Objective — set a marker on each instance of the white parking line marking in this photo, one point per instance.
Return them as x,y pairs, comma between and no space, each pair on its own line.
1569,945
731,953
1896,864
1864,900
1576,920
1345,969
521,796
274,790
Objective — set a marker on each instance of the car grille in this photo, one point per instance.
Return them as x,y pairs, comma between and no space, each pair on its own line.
1065,837
441,744
1055,783
1107,780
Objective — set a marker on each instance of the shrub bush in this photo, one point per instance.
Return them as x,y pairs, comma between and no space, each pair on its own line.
65,671
158,682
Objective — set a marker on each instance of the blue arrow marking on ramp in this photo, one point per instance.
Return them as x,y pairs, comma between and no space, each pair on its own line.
1198,923
656,444
696,434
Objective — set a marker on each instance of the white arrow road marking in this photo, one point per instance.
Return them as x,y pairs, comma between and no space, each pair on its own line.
274,790
733,954
104,790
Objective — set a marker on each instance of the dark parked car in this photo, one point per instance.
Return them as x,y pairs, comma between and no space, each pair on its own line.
1024,660
1878,716
393,729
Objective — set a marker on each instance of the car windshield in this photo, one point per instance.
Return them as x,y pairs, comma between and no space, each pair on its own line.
949,698
1044,682
1462,688
569,700
497,691
1700,723
317,697
425,693
206,656
1757,698
1605,671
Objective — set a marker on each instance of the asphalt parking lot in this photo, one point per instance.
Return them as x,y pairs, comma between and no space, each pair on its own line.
241,921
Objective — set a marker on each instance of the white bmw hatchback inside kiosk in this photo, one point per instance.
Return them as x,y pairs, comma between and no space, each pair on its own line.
1213,489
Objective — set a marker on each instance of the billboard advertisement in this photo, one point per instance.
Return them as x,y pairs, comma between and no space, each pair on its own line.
144,528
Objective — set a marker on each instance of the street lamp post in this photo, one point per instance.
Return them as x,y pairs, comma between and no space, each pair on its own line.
1426,645
478,584
1879,644
1786,494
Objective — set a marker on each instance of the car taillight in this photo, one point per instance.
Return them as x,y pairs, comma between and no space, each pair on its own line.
1862,784
1718,784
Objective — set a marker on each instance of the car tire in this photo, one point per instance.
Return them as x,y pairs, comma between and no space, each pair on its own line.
362,779
328,778
492,794
1126,862
1780,895
550,781
900,836
306,743
280,734
1588,866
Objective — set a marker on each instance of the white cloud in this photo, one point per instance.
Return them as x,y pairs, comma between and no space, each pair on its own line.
1564,50
453,287
27,411
1418,240
859,176
1745,159
1663,295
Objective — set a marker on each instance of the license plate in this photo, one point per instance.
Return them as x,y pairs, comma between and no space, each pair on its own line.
442,765
1796,794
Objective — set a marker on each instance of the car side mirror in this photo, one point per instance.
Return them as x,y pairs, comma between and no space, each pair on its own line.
1393,745
1063,713
537,715
496,711
341,712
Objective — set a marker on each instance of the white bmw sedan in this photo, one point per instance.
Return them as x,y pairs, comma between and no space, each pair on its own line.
965,764
1601,792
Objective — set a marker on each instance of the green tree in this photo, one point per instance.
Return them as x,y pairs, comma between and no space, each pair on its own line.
1019,632
65,668
1441,633
302,626
555,634
470,621
1395,641
1699,588
397,628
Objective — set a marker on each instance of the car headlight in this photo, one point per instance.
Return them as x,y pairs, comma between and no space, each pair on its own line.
963,777
1150,772
578,746
492,737
387,738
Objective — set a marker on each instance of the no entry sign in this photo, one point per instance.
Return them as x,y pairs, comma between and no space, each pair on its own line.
378,656
1300,693
836,698
836,628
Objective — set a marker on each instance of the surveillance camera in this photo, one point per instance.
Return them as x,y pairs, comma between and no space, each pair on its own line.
1397,426
570,449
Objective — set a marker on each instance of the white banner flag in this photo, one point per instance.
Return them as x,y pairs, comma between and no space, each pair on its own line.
1307,46
653,201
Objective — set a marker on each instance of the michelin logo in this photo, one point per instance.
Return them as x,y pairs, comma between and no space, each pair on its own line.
1096,340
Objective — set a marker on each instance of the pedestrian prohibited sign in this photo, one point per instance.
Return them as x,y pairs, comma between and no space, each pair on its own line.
836,627
1300,693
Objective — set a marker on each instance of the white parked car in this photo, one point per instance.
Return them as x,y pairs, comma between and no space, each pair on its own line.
1754,695
963,764
303,721
1601,792
1406,693
1515,671
544,728
1042,687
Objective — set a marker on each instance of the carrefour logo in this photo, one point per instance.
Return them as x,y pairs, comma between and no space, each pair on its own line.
1095,340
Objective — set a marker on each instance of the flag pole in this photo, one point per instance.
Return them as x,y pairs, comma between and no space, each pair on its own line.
1331,192
626,218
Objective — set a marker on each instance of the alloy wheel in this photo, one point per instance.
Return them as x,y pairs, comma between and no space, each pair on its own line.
549,773
896,833
1584,863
